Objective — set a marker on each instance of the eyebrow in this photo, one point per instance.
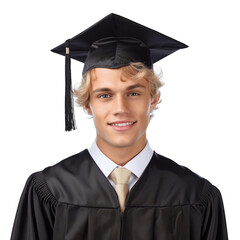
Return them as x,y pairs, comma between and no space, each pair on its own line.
128,88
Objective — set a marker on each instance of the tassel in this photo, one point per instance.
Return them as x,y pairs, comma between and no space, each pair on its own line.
69,107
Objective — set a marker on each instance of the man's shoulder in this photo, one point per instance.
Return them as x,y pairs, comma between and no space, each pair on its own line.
167,164
182,179
60,178
70,164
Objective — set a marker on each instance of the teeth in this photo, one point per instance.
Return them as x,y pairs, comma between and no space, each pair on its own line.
122,124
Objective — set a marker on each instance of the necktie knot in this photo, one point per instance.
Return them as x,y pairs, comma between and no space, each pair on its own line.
120,175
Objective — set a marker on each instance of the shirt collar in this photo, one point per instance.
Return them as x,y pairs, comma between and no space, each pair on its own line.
136,165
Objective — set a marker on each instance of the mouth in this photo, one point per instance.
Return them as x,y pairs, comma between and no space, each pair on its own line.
122,123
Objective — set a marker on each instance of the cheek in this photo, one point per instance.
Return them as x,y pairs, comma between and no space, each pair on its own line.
146,108
143,112
147,112
98,113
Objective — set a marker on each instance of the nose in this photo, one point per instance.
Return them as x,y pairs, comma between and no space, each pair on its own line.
120,105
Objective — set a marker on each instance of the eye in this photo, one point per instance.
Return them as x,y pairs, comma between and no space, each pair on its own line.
133,94
104,95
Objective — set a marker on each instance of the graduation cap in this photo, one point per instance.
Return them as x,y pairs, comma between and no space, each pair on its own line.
112,42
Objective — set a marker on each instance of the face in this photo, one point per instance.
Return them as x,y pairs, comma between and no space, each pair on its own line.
120,108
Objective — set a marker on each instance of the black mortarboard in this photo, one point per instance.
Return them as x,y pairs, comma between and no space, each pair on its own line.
113,42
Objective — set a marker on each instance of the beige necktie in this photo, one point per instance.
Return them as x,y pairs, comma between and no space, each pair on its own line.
120,177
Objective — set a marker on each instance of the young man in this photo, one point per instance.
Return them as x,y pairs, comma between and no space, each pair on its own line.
119,188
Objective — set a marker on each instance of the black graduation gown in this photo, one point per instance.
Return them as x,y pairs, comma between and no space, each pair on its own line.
73,200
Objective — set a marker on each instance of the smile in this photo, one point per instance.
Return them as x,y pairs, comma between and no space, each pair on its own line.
122,124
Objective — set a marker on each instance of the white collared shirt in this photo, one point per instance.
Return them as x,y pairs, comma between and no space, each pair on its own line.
136,165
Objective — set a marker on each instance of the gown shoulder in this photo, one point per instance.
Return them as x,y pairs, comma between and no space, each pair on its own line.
36,211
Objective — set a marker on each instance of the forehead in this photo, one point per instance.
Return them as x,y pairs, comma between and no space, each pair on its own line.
112,78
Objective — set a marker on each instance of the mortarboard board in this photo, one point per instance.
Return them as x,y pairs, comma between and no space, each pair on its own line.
112,42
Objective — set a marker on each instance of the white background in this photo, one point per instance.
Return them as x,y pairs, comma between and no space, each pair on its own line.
197,124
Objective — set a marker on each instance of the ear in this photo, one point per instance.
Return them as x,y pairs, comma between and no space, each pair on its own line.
154,101
88,109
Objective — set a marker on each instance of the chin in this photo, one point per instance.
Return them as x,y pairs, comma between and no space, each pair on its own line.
123,143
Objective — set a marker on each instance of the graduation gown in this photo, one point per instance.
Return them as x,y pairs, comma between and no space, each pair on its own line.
73,200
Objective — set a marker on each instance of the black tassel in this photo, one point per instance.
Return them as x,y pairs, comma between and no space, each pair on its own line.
69,106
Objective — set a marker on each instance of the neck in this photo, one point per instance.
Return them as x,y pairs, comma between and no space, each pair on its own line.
121,154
